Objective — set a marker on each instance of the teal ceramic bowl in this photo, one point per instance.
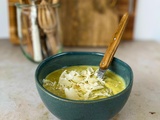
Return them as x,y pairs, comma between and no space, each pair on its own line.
65,109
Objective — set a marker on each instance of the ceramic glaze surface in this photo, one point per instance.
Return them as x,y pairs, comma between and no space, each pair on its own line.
65,109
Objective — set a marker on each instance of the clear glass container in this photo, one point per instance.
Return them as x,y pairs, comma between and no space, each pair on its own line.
39,30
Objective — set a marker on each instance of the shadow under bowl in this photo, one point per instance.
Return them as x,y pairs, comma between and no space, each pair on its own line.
65,109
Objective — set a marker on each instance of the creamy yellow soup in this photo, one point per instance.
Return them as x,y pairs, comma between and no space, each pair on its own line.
82,83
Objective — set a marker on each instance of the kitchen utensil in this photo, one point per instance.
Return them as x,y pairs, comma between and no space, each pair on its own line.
47,21
35,33
28,28
108,56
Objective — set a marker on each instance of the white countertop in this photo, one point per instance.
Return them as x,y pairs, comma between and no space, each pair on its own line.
19,99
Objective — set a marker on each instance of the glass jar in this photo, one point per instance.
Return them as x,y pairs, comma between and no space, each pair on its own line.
39,30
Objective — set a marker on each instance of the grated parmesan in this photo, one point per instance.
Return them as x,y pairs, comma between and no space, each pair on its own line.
81,85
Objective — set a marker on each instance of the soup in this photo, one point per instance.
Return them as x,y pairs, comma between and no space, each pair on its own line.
82,83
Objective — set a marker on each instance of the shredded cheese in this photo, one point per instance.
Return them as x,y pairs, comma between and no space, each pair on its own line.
83,85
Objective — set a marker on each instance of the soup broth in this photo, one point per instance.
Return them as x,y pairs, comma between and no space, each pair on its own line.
81,83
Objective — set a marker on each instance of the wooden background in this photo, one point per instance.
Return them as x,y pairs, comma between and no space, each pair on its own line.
85,22
12,22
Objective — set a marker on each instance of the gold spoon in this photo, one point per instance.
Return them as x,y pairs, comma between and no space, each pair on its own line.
109,54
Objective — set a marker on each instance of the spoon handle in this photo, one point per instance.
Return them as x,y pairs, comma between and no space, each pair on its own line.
108,56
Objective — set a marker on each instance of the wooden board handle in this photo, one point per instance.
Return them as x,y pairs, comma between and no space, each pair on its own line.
108,56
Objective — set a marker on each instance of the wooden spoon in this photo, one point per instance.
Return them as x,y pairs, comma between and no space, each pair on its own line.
47,21
108,56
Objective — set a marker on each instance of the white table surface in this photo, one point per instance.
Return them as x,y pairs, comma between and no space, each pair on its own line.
19,99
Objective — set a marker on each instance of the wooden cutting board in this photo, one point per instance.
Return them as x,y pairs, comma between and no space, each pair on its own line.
13,22
93,22
85,22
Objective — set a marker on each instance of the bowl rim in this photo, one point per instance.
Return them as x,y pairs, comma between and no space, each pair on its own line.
81,101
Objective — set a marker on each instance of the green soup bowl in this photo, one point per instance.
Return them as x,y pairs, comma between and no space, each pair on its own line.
65,109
